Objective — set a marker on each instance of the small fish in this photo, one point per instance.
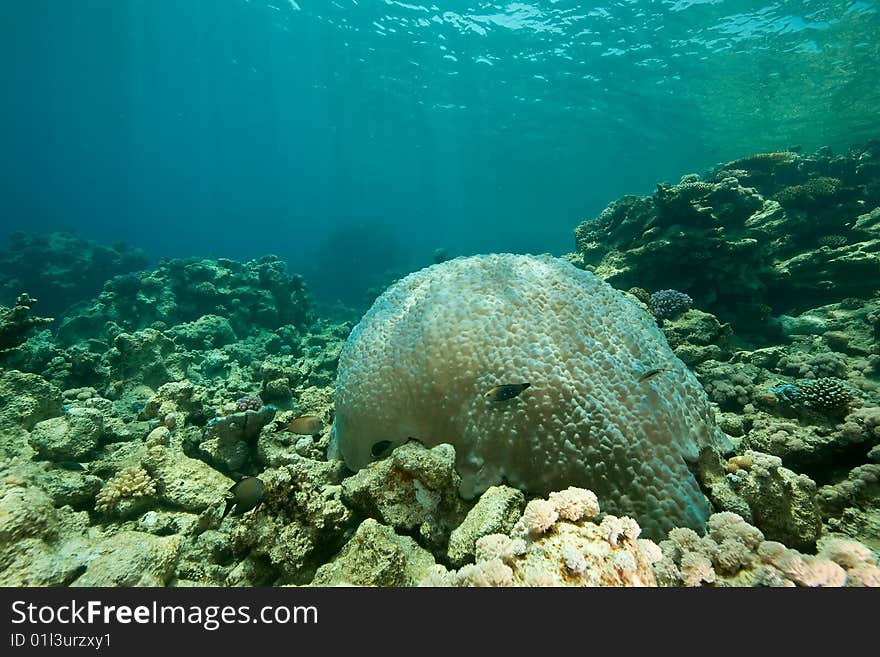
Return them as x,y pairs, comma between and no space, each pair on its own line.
378,449
306,425
647,375
503,392
70,465
247,495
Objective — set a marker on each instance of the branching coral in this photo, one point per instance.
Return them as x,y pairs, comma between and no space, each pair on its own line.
667,304
16,322
126,493
828,395
816,191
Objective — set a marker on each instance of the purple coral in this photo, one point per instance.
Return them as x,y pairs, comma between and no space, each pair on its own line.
248,404
668,304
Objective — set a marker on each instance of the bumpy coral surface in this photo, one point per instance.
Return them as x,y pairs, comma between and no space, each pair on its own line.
555,543
421,360
734,553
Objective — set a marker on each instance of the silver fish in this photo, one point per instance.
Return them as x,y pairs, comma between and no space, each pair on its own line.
647,375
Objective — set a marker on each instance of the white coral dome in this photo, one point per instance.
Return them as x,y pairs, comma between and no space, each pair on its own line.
419,362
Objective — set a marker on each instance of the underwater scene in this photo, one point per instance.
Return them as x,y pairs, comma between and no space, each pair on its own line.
461,293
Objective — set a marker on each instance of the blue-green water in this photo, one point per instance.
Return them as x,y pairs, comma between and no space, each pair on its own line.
354,137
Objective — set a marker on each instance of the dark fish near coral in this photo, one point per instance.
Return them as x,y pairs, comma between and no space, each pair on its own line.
70,465
306,425
647,375
378,449
247,494
506,391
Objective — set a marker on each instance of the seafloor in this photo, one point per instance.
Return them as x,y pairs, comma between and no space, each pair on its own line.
125,421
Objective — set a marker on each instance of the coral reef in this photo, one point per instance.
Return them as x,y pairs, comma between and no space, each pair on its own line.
250,296
62,269
740,241
122,431
17,321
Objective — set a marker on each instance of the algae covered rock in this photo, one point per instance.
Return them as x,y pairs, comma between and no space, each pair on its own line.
131,558
146,356
697,336
39,545
184,482
275,551
300,525
183,400
71,437
376,556
496,512
414,488
229,442
17,322
26,399
206,332
783,504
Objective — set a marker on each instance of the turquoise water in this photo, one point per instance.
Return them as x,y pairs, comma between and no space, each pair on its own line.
352,138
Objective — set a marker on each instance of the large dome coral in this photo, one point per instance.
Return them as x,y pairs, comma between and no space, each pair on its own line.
419,362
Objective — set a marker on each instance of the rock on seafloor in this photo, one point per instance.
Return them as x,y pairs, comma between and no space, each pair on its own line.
376,556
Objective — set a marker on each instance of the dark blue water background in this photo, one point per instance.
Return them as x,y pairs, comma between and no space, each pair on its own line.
352,138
